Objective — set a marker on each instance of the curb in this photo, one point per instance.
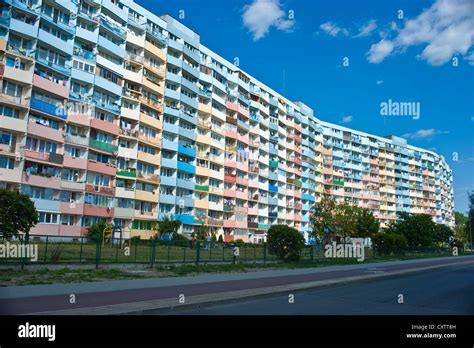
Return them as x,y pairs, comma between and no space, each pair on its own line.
170,305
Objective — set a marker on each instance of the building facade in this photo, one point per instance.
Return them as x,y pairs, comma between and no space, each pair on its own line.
108,111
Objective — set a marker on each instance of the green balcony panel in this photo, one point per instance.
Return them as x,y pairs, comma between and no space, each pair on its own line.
198,221
127,174
263,226
273,164
337,182
297,183
103,146
201,188
228,208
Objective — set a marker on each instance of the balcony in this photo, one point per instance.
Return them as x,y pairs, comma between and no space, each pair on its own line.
65,46
186,150
45,84
186,167
185,219
103,146
45,132
111,107
51,109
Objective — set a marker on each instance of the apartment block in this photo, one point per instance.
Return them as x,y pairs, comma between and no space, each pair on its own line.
108,111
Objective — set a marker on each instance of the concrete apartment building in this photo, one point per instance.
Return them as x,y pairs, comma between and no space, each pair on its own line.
108,111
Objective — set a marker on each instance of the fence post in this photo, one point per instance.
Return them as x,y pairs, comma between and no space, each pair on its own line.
97,252
46,248
152,252
116,252
80,252
312,252
198,251
184,255
135,251
264,253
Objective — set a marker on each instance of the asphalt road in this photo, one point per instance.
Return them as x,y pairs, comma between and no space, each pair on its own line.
447,291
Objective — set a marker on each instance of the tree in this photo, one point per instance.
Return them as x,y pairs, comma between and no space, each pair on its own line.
388,243
322,219
203,232
17,214
470,219
96,231
169,226
443,235
461,228
418,229
286,242
367,225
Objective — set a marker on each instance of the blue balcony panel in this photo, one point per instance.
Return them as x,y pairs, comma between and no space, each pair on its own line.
186,167
185,219
170,145
308,197
167,199
169,163
186,184
272,188
83,76
112,47
46,205
168,180
186,150
23,28
51,109
108,85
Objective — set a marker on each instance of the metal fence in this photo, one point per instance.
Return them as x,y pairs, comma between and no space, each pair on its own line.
85,250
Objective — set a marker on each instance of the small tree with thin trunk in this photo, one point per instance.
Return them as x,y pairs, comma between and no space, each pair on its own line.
17,214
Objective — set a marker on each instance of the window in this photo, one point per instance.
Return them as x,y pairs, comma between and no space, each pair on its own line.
67,220
8,111
40,145
77,64
48,218
11,89
6,163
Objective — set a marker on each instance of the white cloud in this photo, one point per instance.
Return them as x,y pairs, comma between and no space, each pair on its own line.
445,29
367,28
261,15
346,119
379,82
379,51
424,133
333,29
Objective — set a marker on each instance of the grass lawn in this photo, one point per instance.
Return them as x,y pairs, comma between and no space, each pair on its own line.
11,277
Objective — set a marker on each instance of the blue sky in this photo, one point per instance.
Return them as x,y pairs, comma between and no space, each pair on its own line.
297,48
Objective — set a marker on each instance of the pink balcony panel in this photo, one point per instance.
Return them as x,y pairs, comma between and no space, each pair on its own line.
45,132
75,231
73,162
232,106
230,164
229,223
82,119
243,138
230,193
242,210
101,168
242,181
241,224
243,166
94,210
253,211
105,126
231,134
50,86
45,229
243,112
41,181
253,184
71,208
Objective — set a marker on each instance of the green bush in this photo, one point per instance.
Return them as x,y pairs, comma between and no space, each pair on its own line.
389,243
238,242
285,242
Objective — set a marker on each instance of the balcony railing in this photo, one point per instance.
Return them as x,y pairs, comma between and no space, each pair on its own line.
103,146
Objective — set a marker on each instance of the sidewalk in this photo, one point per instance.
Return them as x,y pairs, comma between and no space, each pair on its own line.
125,296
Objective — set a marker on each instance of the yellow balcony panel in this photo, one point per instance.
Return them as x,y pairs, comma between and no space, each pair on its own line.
205,108
156,51
13,124
148,158
202,171
203,139
144,234
151,141
10,175
3,45
201,203
146,196
150,121
23,76
154,85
